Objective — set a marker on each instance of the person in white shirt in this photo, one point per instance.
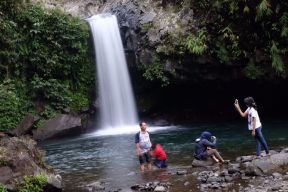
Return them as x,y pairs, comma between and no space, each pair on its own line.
254,123
143,146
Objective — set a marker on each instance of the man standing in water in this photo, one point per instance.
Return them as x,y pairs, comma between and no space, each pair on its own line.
143,145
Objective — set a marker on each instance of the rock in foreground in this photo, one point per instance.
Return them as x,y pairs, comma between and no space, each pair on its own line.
20,157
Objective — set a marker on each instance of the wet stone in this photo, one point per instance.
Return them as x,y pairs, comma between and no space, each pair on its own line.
246,158
186,183
276,187
228,178
224,173
160,189
194,174
226,185
184,172
215,186
214,179
135,187
277,175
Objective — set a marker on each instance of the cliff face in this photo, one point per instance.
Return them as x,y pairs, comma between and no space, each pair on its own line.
148,27
155,35
182,35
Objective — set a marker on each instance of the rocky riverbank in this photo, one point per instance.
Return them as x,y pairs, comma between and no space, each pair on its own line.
20,157
245,173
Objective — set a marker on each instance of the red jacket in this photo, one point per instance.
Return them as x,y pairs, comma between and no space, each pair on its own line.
159,153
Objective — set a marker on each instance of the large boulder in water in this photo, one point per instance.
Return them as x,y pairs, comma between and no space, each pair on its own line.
59,126
20,157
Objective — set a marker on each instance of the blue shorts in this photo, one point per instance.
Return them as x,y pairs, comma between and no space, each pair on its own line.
160,163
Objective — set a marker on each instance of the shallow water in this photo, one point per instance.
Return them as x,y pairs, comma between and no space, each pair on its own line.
111,159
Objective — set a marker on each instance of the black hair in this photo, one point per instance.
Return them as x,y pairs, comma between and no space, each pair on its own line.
249,101
141,122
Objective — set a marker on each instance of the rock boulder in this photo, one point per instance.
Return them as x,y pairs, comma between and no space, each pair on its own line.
202,163
60,125
20,157
24,126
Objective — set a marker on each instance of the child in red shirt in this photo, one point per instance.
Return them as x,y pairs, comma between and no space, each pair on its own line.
160,156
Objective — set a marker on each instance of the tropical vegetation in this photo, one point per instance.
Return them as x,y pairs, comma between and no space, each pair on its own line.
45,62
247,36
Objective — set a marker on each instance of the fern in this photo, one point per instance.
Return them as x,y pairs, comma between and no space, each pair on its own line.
246,9
157,71
284,19
263,9
196,44
277,62
284,32
284,23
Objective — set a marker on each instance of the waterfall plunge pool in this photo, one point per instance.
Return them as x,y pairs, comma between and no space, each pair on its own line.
112,159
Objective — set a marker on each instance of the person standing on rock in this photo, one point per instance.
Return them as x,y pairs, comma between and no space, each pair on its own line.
143,145
254,124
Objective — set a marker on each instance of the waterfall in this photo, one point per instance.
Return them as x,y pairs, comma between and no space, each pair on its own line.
117,105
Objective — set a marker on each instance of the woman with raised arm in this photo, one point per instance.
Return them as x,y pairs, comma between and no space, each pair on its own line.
254,124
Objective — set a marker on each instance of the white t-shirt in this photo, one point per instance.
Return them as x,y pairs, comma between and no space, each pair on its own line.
143,138
253,113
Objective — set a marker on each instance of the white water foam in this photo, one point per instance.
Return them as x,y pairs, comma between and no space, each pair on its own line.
121,130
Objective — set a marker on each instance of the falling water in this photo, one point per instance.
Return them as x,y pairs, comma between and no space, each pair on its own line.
117,106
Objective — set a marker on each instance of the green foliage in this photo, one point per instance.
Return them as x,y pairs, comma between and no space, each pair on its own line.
11,106
78,100
284,32
3,188
277,62
196,43
47,53
227,46
4,157
146,26
51,45
33,183
160,71
233,41
10,7
251,35
51,90
284,23
252,71
173,44
222,53
47,113
263,9
157,72
238,31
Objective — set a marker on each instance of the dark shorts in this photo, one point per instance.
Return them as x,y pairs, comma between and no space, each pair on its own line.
145,157
160,163
202,156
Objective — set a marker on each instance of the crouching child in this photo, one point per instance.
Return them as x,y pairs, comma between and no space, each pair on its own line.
160,156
